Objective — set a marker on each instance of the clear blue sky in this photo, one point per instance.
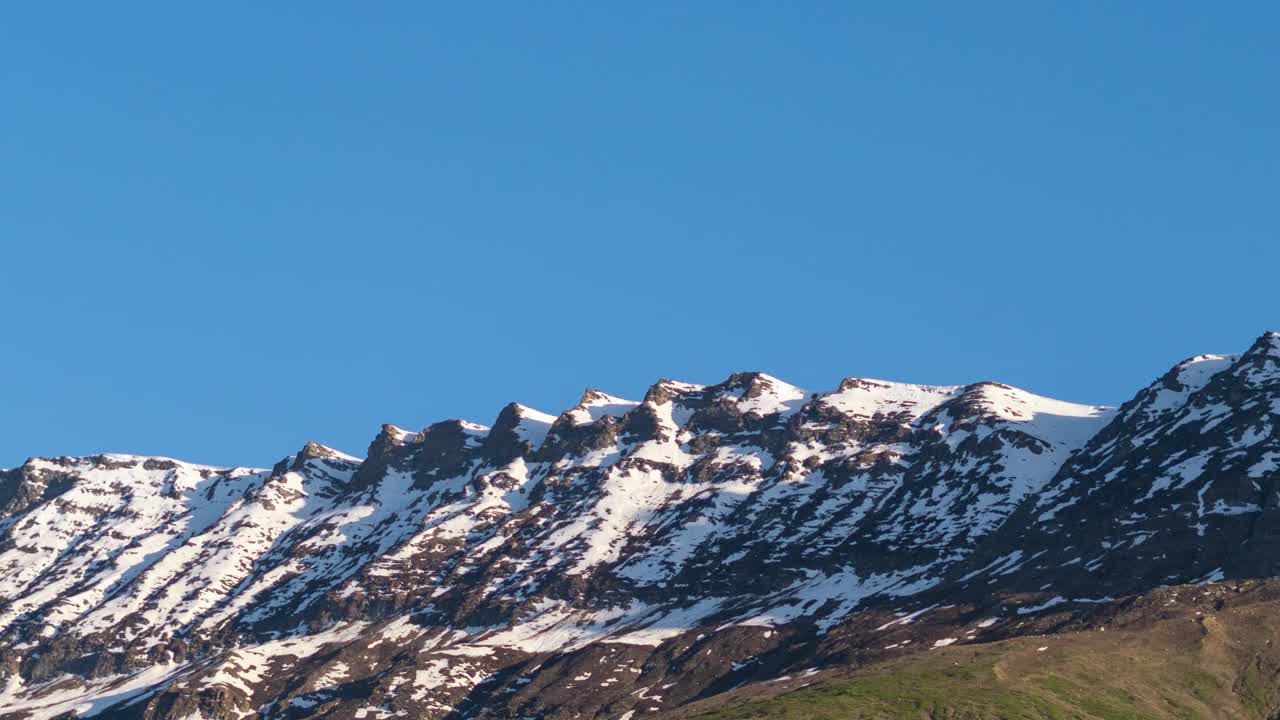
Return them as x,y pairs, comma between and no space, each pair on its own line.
226,229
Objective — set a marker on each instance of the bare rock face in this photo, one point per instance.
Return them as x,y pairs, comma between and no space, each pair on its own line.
624,558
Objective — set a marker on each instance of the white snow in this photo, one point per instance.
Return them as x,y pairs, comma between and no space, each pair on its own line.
864,397
533,425
83,699
1192,375
596,405
774,396
1051,602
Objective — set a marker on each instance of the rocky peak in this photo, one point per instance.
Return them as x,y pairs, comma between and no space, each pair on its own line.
665,391
445,448
593,406
33,482
518,431
1267,344
1259,366
389,448
313,451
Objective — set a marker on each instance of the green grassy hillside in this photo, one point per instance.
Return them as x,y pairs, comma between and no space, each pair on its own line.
1221,662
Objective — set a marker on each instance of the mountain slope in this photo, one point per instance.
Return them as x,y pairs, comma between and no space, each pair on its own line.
1189,652
624,557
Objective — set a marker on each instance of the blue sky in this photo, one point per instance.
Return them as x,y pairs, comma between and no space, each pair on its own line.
227,229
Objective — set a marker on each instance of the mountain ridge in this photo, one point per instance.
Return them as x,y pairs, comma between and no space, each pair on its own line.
703,537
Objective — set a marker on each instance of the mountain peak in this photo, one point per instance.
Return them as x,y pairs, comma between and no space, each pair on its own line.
665,390
764,394
594,405
314,450
865,397
1267,345
519,429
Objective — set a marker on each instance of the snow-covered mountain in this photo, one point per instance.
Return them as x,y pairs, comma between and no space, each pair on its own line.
625,557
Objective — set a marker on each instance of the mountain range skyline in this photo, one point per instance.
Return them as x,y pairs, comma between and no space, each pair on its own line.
700,539
224,236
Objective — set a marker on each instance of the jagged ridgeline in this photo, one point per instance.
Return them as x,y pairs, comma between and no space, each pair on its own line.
629,559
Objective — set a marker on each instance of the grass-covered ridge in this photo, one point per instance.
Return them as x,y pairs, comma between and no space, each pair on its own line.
1183,663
